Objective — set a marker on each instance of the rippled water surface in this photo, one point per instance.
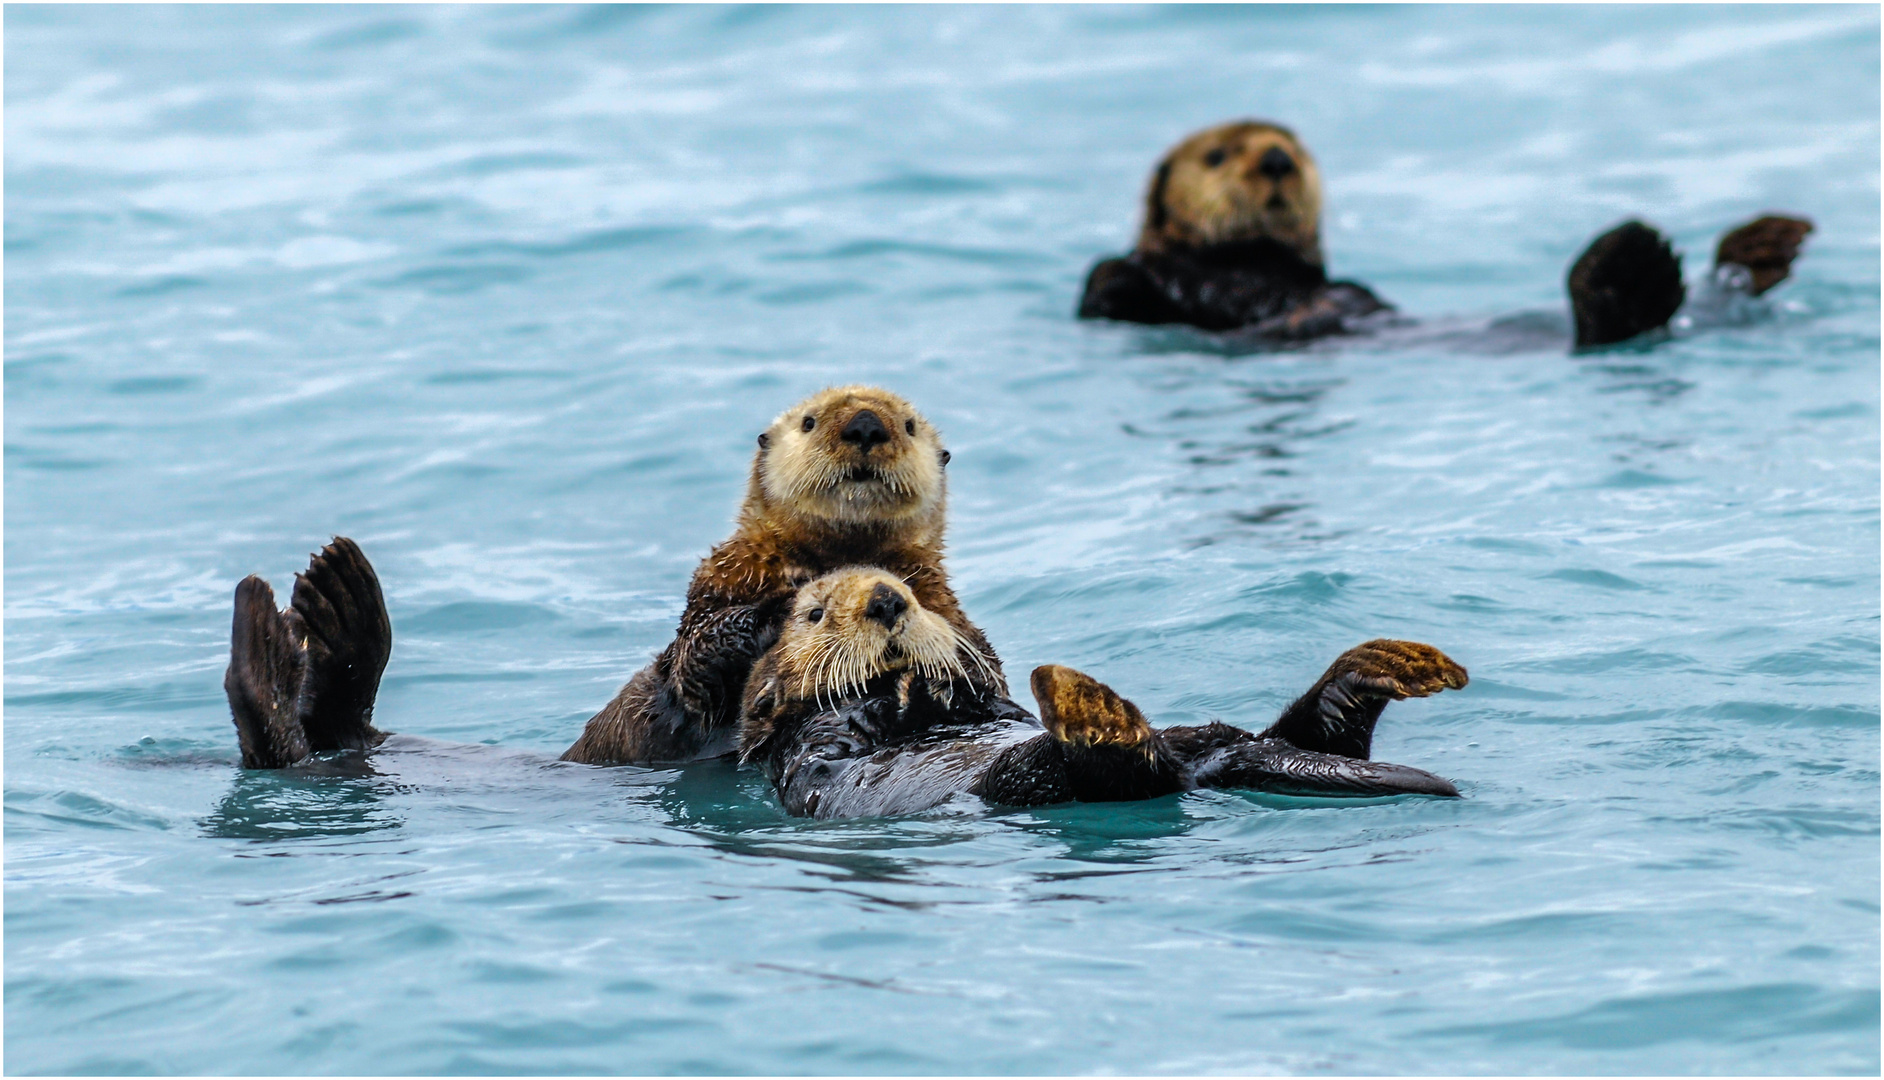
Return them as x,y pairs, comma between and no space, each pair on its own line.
505,294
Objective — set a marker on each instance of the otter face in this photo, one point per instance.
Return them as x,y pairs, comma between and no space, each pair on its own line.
855,624
853,455
1242,181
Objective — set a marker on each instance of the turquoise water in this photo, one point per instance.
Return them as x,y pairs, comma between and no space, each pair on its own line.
505,294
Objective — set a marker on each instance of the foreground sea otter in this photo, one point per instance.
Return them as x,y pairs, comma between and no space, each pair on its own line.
869,705
1231,242
851,475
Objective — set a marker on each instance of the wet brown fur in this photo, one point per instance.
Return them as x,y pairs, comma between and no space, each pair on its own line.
303,680
832,647
1231,240
803,516
1079,710
1193,203
1766,246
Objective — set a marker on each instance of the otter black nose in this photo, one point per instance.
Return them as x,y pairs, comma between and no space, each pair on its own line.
866,430
885,606
1276,163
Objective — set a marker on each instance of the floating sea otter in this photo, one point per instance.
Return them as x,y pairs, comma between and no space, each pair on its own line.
869,705
1231,242
851,475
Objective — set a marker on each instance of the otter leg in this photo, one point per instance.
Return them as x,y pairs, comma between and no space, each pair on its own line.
304,679
1274,766
263,682
1626,282
1338,714
340,615
1766,246
1111,752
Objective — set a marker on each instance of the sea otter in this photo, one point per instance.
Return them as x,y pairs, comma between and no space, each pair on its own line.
867,705
851,475
1231,242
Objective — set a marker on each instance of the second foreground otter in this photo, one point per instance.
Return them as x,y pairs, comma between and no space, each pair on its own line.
861,709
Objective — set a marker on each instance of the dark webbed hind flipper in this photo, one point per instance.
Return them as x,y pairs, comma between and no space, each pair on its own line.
263,682
1338,714
1766,246
340,614
1276,767
1098,748
1626,282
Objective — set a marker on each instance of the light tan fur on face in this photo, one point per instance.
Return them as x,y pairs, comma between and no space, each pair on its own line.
830,647
1194,203
817,478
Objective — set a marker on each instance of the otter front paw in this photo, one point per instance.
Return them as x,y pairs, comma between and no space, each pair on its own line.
1081,711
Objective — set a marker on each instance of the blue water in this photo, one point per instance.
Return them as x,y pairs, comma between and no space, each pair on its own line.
505,294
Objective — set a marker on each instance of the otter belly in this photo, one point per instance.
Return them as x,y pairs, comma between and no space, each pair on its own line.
906,778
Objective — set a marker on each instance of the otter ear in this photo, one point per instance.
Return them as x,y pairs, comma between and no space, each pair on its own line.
764,440
1156,214
945,455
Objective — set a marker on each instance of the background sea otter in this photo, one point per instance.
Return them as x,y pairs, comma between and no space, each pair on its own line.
1231,240
851,475
862,708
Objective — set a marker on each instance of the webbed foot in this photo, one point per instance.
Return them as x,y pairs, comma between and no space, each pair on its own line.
264,680
1111,752
1766,246
341,614
1627,282
1081,711
304,679
1338,714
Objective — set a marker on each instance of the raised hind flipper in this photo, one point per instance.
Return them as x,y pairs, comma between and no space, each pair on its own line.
341,613
1338,714
303,680
1766,246
1626,282
1274,766
1098,748
263,682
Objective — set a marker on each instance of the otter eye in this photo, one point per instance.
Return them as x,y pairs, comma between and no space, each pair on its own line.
1214,158
909,426
810,422
816,614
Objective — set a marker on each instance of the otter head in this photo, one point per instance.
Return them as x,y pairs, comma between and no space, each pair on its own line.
1237,182
846,629
853,456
